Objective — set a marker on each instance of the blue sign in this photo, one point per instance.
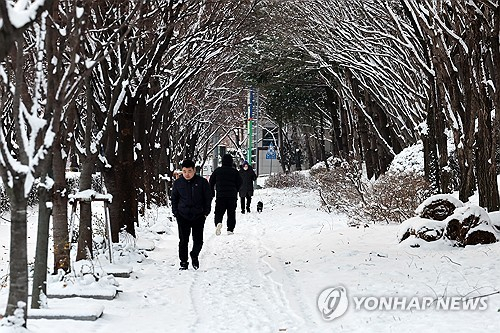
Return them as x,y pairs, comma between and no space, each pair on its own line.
271,153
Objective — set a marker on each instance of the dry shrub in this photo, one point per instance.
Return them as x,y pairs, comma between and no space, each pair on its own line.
341,187
395,196
391,198
288,180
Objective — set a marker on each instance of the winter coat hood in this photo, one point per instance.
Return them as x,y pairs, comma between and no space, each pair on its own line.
227,160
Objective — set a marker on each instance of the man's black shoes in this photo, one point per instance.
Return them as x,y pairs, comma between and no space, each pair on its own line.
195,262
184,265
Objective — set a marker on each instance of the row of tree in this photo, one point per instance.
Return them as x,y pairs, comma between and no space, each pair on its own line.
129,87
376,76
133,87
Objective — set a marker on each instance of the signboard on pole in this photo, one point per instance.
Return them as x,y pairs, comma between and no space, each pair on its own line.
271,153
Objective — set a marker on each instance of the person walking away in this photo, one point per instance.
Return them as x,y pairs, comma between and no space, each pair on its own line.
225,181
191,204
248,176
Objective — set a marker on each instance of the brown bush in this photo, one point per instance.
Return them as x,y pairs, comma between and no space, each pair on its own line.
342,188
391,198
394,197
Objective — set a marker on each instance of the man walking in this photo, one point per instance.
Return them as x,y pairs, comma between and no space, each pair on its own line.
191,203
226,180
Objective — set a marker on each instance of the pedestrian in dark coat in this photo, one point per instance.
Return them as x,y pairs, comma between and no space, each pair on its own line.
225,181
248,176
191,203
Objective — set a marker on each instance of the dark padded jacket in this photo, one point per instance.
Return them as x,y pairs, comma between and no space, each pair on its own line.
226,180
247,176
191,199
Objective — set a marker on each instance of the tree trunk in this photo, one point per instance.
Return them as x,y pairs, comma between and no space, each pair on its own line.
18,287
485,137
42,243
371,145
15,185
464,138
119,178
322,142
88,161
366,146
445,176
161,155
485,163
85,230
143,175
429,141
114,207
465,108
85,250
336,129
162,166
347,133
309,153
368,155
385,144
125,171
280,145
486,146
60,212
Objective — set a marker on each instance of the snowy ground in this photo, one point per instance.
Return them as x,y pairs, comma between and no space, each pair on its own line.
267,278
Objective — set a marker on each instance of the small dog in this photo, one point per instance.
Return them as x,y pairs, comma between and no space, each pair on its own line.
260,205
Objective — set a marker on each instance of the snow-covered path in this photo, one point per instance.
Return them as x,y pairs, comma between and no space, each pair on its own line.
267,278
243,284
237,285
240,286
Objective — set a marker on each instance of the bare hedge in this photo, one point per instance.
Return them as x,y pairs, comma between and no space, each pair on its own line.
391,198
344,188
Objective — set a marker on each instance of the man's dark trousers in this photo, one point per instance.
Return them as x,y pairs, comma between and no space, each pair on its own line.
221,206
185,226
